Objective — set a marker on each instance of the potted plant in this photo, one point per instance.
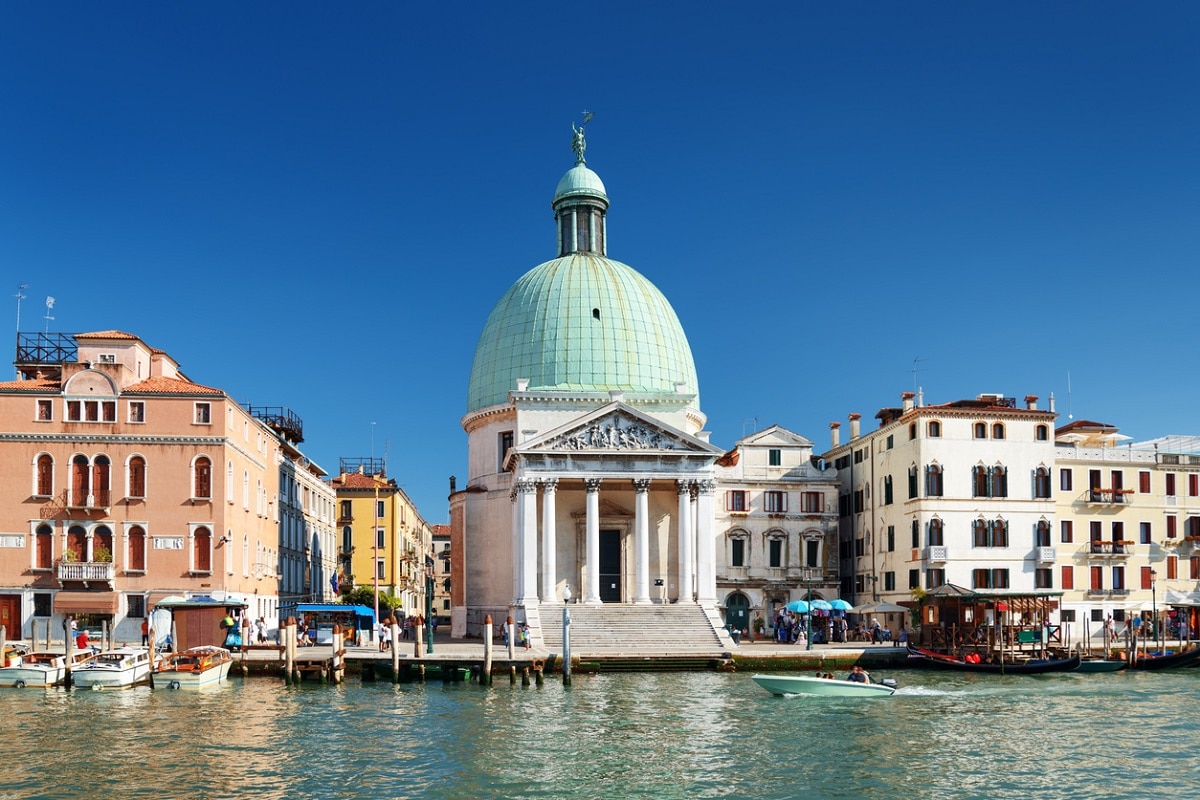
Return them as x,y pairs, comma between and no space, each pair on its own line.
102,555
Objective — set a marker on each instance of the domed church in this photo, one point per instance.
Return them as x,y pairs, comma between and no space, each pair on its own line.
589,474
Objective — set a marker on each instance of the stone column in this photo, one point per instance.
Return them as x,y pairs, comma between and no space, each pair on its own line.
592,590
641,539
527,497
706,546
516,543
549,545
685,540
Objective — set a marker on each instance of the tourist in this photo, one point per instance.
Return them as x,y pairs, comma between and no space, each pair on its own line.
876,632
145,632
81,640
1184,633
524,635
858,675
260,630
385,635
302,633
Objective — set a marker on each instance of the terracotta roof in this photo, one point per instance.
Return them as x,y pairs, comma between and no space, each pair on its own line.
1085,424
440,530
30,386
355,480
107,335
161,385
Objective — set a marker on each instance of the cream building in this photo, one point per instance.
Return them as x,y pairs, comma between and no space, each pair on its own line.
955,493
776,516
588,465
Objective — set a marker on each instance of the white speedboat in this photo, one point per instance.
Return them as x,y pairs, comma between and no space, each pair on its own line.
115,669
196,668
822,687
42,669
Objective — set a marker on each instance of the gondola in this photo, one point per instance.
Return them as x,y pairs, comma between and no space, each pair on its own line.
1185,658
932,660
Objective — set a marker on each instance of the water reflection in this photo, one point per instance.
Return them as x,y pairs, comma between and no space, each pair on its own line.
627,736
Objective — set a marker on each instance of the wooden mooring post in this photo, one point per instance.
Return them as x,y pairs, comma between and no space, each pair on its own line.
485,678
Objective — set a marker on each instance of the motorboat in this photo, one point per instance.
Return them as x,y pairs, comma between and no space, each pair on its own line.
1037,666
42,669
195,668
822,687
1101,665
118,668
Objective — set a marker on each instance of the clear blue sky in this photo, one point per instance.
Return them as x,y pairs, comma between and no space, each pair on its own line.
317,205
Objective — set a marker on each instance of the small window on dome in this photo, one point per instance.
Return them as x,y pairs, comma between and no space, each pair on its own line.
596,313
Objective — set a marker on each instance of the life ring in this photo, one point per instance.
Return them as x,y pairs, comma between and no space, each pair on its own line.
173,685
19,685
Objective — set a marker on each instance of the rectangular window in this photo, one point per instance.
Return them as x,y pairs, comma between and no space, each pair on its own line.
1067,527
1097,578
1144,532
810,503
108,411
775,502
1118,531
74,411
137,411
737,553
379,509
1170,491
1171,523
91,410
887,490
735,500
503,445
891,538
1194,568
346,506
889,581
912,482
135,605
45,410
914,579
935,578
1043,578
776,553
1193,485
774,457
1144,482
42,604
1068,578
1064,480
1095,531
203,414
915,535
1172,568
380,538
1118,577
812,552
889,442
380,568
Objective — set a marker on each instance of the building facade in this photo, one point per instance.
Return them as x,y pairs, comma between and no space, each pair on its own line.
141,484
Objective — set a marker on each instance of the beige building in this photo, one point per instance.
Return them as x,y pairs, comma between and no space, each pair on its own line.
1128,528
442,558
140,484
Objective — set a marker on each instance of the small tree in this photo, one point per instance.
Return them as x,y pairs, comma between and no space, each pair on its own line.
918,594
365,596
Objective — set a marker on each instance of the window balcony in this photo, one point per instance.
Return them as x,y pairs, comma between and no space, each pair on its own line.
1115,550
938,554
1108,496
1046,555
86,571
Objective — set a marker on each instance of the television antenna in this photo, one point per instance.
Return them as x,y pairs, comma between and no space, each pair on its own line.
20,297
49,307
915,369
754,421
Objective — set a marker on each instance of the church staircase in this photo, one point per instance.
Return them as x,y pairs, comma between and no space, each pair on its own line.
672,636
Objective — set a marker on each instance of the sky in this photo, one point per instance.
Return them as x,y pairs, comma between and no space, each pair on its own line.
317,205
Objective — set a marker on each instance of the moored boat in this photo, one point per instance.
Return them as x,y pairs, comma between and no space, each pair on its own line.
195,668
821,687
115,669
1184,658
927,658
42,669
1100,665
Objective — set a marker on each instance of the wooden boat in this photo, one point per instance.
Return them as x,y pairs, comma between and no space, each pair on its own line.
821,687
119,668
196,668
1185,658
42,669
927,658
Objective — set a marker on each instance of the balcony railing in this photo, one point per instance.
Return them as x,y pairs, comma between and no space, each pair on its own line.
1122,548
1046,555
86,571
938,554
1100,496
100,498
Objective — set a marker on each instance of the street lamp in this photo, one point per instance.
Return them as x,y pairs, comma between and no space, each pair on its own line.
808,616
1154,608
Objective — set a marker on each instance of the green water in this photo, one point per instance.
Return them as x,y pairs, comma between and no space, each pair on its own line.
1122,735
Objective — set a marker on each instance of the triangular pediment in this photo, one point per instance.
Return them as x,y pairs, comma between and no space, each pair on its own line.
614,428
775,436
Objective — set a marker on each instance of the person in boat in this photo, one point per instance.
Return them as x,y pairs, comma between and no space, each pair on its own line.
858,675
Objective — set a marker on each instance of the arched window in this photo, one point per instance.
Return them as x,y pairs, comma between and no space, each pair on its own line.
246,489
45,475
137,549
1041,483
137,477
912,431
979,481
1042,433
980,430
101,482
80,483
912,481
229,482
935,429
1042,534
44,551
936,535
76,544
737,549
202,483
999,482
102,545
933,480
202,550
997,431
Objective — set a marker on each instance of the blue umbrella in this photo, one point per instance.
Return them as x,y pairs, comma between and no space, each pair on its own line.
839,604
797,607
821,605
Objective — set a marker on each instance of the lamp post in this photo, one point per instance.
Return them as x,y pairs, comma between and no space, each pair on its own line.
1154,608
808,616
428,606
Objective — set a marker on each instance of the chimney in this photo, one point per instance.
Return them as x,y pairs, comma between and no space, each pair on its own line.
452,482
522,384
854,418
906,401
835,435
920,397
1052,402
1031,402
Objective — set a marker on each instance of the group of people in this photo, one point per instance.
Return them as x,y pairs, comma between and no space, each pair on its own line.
408,626
857,675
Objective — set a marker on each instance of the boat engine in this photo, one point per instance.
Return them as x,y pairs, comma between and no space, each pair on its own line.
889,682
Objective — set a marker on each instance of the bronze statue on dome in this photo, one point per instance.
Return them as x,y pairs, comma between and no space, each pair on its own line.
578,143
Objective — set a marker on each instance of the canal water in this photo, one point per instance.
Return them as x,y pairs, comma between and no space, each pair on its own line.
675,735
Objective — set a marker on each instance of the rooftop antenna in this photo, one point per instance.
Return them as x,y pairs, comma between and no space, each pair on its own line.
753,420
1069,414
372,442
20,297
915,369
49,306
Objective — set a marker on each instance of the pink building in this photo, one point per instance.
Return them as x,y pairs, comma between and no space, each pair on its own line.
138,484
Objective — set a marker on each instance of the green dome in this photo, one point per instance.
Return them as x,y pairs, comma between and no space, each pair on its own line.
581,323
